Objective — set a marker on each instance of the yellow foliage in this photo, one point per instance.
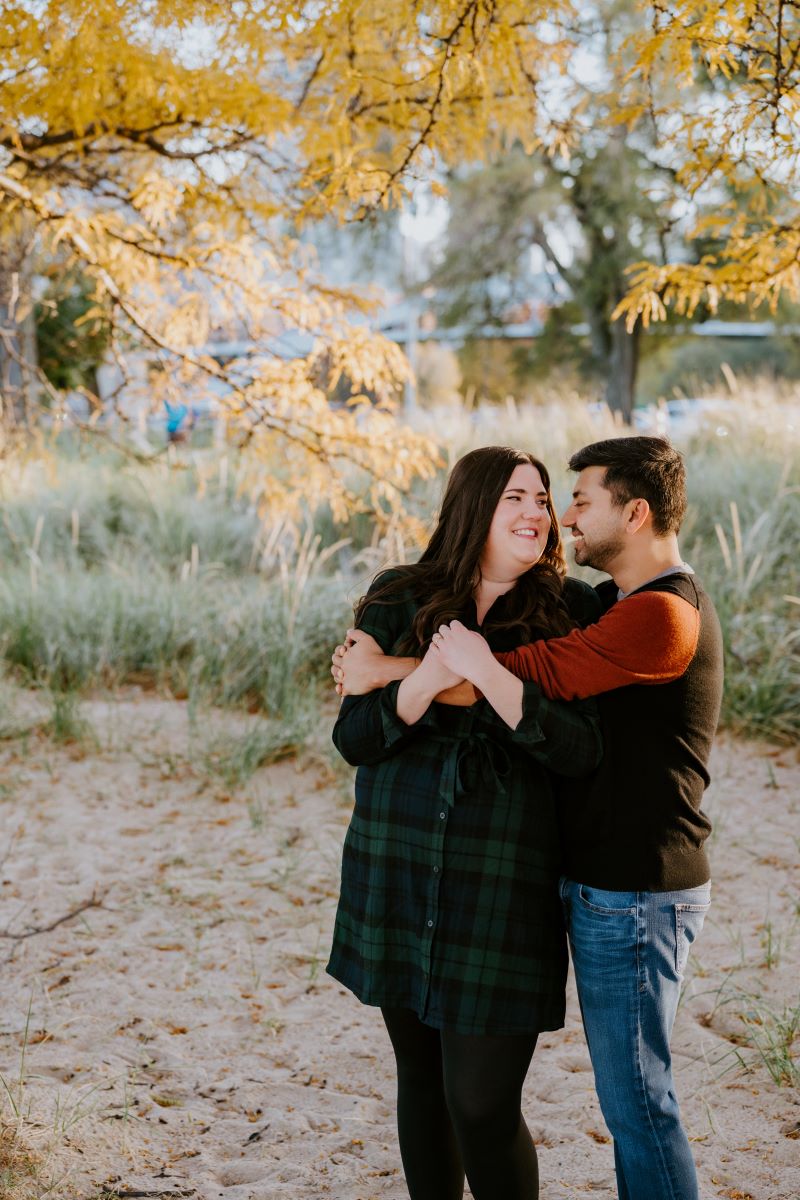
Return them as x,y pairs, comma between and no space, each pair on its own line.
173,151
719,81
170,149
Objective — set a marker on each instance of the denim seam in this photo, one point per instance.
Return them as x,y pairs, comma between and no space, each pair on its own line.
664,1166
680,909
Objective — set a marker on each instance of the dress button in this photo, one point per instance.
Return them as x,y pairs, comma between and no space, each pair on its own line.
436,870
430,924
442,816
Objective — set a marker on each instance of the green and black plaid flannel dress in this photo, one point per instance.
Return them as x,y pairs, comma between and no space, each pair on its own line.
449,902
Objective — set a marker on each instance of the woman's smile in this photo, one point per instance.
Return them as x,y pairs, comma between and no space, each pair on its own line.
521,514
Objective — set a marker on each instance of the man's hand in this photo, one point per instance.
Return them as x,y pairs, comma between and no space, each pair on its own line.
462,651
354,663
359,666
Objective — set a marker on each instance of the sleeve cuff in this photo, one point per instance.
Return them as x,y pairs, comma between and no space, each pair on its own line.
394,728
529,730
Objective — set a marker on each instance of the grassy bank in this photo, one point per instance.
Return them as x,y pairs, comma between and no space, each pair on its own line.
115,573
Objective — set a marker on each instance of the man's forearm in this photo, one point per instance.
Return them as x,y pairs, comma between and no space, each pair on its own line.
386,669
648,638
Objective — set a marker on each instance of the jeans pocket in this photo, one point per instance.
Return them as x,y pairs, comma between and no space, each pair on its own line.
689,920
598,900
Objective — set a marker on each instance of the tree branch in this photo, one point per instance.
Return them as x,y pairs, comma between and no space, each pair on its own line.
94,901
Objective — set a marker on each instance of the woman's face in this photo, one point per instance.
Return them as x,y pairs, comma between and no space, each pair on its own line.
519,528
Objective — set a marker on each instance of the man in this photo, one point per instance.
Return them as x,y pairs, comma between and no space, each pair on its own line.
636,887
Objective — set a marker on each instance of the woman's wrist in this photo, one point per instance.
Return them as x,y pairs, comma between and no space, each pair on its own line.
485,673
501,689
415,696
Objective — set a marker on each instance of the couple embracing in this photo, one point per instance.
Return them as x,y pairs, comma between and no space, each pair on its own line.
531,754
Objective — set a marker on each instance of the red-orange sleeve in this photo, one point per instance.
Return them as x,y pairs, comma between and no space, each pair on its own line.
646,638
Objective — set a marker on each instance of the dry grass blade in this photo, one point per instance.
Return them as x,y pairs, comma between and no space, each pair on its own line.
18,1166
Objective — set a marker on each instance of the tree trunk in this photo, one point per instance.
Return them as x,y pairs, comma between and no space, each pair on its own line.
18,386
623,365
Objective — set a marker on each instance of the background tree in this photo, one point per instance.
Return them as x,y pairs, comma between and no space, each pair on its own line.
593,212
735,152
591,216
174,173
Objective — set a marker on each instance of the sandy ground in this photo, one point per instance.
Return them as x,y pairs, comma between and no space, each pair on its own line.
183,1040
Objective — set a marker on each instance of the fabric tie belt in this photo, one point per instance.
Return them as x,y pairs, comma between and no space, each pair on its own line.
472,764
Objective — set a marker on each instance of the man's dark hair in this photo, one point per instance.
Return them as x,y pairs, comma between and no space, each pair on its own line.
646,468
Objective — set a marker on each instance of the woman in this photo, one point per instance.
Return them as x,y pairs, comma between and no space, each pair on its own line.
449,916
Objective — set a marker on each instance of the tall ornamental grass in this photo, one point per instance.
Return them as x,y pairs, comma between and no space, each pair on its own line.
234,641
115,572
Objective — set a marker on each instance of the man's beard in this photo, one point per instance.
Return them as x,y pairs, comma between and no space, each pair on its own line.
598,555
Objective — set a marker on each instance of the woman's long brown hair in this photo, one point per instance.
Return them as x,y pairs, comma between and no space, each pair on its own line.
448,572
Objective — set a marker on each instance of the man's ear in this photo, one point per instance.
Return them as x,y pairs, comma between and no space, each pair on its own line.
638,512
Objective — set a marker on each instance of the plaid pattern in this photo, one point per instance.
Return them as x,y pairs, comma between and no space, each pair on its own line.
449,901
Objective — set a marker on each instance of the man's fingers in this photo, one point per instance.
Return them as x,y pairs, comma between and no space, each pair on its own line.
337,658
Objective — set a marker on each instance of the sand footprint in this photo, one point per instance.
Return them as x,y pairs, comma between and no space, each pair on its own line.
233,1174
574,1062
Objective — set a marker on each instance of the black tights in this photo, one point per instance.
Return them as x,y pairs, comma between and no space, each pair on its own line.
458,1110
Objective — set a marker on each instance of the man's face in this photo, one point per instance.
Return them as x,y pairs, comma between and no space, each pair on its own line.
597,524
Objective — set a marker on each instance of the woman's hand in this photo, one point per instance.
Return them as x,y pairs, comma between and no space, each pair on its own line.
469,654
462,651
419,689
436,673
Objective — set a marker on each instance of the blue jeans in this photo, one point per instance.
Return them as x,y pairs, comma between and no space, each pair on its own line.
629,952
